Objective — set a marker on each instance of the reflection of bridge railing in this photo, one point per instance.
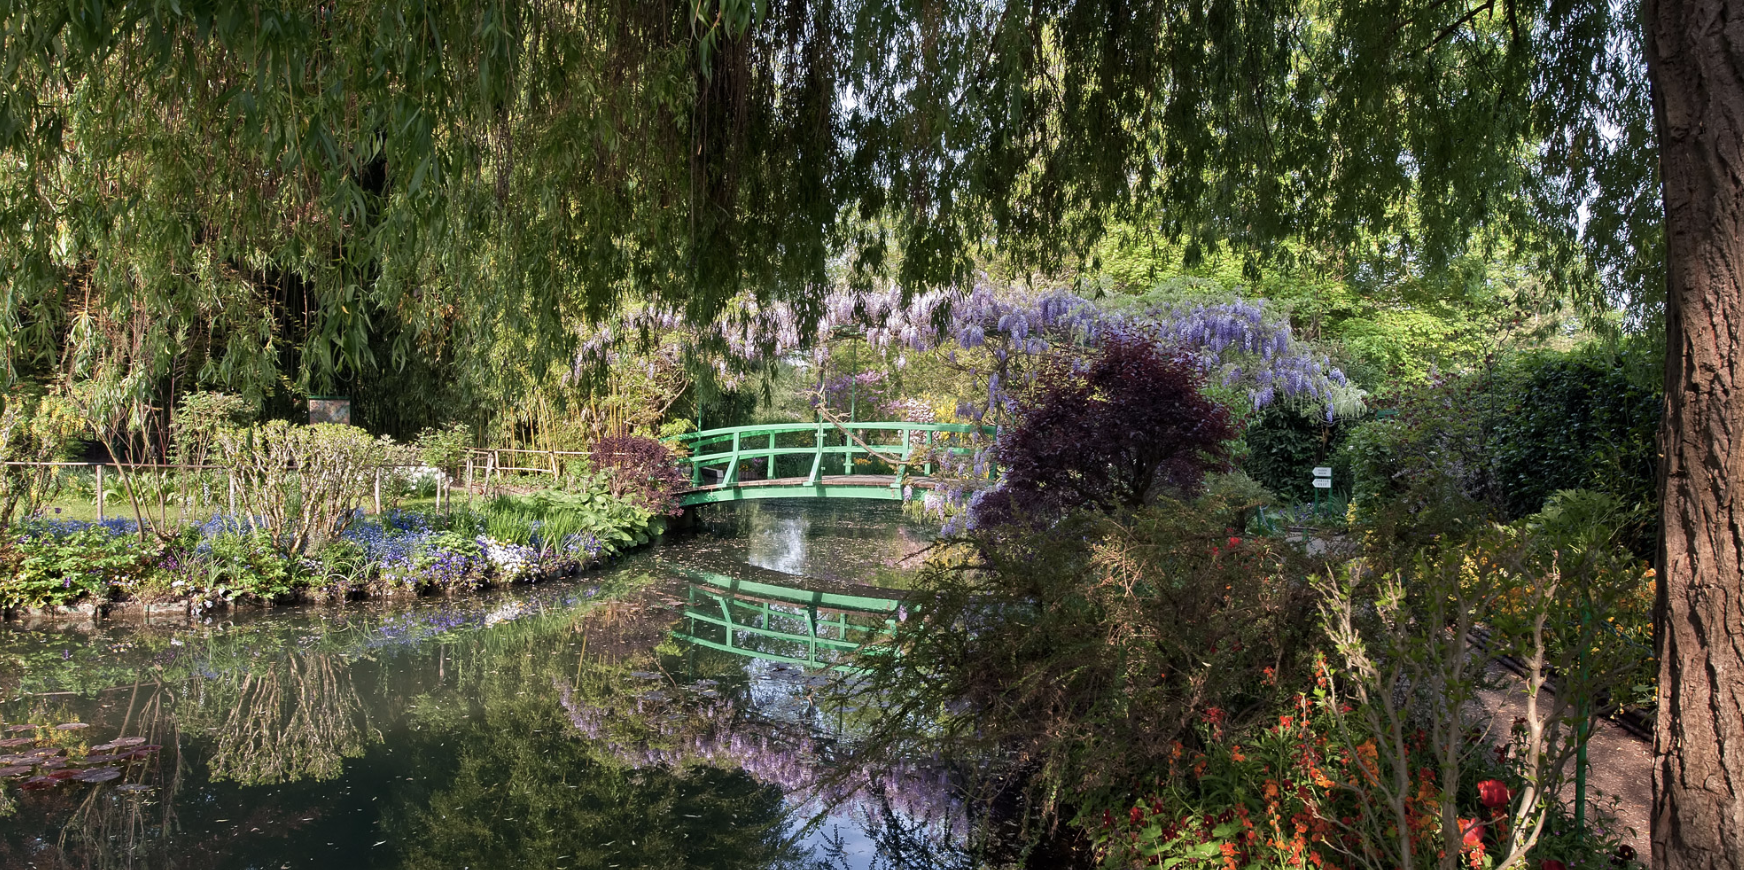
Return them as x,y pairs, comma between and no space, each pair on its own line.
782,623
749,459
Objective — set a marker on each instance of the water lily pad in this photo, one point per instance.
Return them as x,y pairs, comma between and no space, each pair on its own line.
17,759
69,773
52,763
100,774
138,754
122,741
17,728
100,759
38,784
71,726
15,770
44,752
131,787
15,742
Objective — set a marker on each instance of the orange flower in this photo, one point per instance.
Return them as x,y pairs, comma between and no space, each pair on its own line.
1236,756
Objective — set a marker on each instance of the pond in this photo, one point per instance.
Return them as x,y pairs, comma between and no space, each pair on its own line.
671,711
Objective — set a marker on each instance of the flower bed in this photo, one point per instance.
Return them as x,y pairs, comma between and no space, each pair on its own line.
71,568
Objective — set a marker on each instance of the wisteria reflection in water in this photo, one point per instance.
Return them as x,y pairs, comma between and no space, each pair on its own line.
800,759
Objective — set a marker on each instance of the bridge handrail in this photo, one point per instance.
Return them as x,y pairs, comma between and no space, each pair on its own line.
731,446
783,428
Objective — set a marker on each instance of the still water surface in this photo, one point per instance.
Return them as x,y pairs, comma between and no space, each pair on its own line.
568,725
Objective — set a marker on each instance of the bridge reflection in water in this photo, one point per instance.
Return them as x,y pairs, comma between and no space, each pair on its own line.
807,627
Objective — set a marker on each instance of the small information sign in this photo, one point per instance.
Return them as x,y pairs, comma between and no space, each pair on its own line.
1322,483
1322,471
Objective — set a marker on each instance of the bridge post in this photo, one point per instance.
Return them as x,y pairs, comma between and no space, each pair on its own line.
817,458
927,469
733,465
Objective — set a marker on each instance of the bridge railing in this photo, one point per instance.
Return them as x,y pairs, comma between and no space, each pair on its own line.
813,450
786,624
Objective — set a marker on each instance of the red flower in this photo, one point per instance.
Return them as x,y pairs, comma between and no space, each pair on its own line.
1136,814
1493,794
1235,542
1471,832
1551,864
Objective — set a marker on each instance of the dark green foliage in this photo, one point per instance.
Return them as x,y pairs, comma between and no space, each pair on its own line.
1503,441
1286,444
1575,421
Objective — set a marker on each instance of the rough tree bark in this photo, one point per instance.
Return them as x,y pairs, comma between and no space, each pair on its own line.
1695,54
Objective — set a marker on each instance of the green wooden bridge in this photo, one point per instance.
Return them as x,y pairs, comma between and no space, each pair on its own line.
791,624
819,460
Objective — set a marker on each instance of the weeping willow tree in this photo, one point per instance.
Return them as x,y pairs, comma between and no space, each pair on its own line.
242,193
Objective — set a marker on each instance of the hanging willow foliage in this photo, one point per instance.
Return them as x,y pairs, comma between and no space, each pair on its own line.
235,192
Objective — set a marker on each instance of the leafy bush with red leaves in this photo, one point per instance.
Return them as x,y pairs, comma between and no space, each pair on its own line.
1114,430
642,471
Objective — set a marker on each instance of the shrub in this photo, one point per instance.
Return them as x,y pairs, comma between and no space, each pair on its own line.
1296,794
1116,430
300,485
444,449
1509,438
642,471
1090,647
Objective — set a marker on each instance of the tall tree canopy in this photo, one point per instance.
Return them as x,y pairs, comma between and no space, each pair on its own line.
258,182
227,190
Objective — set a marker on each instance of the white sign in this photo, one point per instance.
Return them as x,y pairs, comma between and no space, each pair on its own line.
1322,471
1322,483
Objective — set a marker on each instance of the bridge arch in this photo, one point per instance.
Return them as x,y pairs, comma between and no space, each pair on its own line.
877,460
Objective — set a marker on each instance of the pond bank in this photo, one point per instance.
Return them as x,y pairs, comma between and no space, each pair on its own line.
71,570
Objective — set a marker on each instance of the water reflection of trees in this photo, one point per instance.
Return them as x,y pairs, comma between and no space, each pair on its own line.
520,790
297,716
127,823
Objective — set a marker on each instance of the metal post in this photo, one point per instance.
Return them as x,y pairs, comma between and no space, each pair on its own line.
1583,710
99,492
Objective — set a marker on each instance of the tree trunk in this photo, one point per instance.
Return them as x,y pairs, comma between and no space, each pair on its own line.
1695,52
